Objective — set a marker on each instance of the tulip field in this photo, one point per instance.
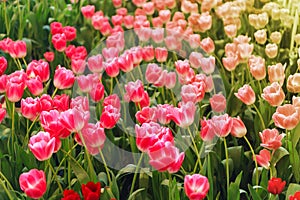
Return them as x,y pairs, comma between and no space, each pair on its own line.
149,100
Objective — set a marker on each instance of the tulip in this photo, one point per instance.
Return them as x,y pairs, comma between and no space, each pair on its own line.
208,64
263,159
153,73
260,36
296,196
170,81
276,73
164,156
163,113
38,68
88,11
97,93
194,40
61,102
15,89
30,108
117,3
134,91
230,63
207,132
17,49
195,59
3,82
207,44
273,94
70,195
95,63
63,78
218,103
196,186
271,139
46,102
112,100
3,65
33,183
117,20
112,68
271,50
74,119
275,37
246,95
86,83
286,117
230,30
42,145
146,115
109,117
293,83
2,113
35,86
276,185
94,137
161,54
56,27
49,56
126,62
70,32
257,67
148,7
222,125
59,42
148,53
128,21
205,22
91,190
183,116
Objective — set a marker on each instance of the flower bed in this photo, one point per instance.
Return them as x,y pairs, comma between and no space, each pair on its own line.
190,99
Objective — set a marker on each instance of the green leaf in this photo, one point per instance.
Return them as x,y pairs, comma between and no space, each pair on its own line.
279,153
80,173
234,192
253,193
292,189
114,186
235,153
133,195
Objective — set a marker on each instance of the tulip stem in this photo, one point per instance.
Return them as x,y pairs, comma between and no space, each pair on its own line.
227,167
4,179
232,79
135,173
24,62
111,85
13,123
254,157
195,147
53,94
55,176
19,64
260,117
30,127
105,166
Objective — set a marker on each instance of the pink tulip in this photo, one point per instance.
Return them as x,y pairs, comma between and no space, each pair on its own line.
128,21
3,65
257,67
46,102
238,128
61,102
3,82
263,159
2,113
195,59
153,73
161,54
208,64
218,103
117,20
134,91
196,186
17,49
163,113
157,35
146,115
148,134
276,73
74,119
94,137
63,78
148,53
145,100
78,66
273,94
194,40
49,56
164,156
42,145
33,183
271,139
286,117
80,102
35,86
184,116
59,42
207,132
207,44
97,93
15,86
38,68
112,100
293,83
95,63
109,117
222,125
170,80
70,32
30,108
117,3
246,95
157,22
230,63
88,11
125,62
112,68
165,15
56,27
86,83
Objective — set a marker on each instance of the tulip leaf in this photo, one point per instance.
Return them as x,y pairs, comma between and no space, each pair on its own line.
80,173
292,189
253,193
234,192
133,195
235,153
279,153
295,135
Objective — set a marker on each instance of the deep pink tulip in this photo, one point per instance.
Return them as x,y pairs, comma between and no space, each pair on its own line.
35,86
15,85
117,3
4,44
146,115
94,137
3,65
38,68
196,186
42,145
109,117
33,183
145,100
148,53
88,11
161,54
49,56
134,91
112,100
128,21
2,113
263,159
56,27
17,49
46,102
112,68
3,82
207,132
75,119
59,42
183,116
125,62
97,93
70,32
61,102
87,82
63,78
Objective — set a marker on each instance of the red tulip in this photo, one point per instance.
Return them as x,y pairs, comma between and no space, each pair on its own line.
218,103
70,195
97,93
56,27
30,108
91,191
70,32
59,42
3,65
74,119
263,159
146,115
42,145
271,139
246,95
49,56
164,156
276,185
17,49
94,137
196,186
238,128
296,196
63,78
88,11
33,183
286,117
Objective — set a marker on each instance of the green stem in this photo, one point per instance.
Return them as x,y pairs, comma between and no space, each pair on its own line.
232,79
135,173
141,74
105,165
55,176
24,62
260,116
254,157
53,94
6,190
111,85
4,179
13,124
7,24
227,167
195,147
